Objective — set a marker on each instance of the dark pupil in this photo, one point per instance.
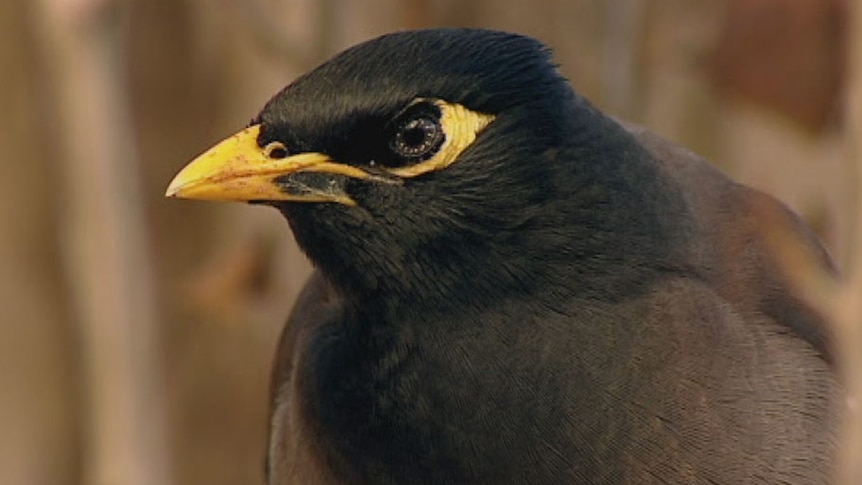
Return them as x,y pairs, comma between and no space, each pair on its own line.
417,137
415,133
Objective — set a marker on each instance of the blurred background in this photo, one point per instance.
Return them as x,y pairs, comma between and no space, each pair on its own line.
136,332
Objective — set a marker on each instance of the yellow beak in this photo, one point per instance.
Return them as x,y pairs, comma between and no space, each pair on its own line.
238,169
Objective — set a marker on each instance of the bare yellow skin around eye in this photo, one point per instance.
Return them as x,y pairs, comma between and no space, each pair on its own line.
461,127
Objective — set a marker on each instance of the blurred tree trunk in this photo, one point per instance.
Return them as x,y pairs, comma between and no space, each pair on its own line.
105,235
39,398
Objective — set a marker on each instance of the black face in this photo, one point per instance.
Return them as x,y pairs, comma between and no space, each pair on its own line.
376,106
372,107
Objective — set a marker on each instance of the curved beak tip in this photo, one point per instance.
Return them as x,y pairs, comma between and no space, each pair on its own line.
172,190
176,187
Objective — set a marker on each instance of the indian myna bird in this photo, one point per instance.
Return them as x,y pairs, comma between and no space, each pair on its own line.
513,287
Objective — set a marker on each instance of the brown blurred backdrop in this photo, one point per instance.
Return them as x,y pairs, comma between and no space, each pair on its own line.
136,332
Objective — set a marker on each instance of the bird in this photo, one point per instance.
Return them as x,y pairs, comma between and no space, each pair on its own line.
513,287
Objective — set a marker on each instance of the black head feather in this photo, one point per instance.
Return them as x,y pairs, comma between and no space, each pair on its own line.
486,71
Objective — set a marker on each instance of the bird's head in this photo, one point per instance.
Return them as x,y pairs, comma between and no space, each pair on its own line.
418,162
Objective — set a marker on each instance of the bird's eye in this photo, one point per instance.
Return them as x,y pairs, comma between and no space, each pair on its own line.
428,135
418,137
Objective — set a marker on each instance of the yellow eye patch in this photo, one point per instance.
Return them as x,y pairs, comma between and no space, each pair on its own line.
461,126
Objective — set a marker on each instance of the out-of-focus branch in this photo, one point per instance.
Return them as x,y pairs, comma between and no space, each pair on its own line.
848,310
104,241
624,29
273,34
